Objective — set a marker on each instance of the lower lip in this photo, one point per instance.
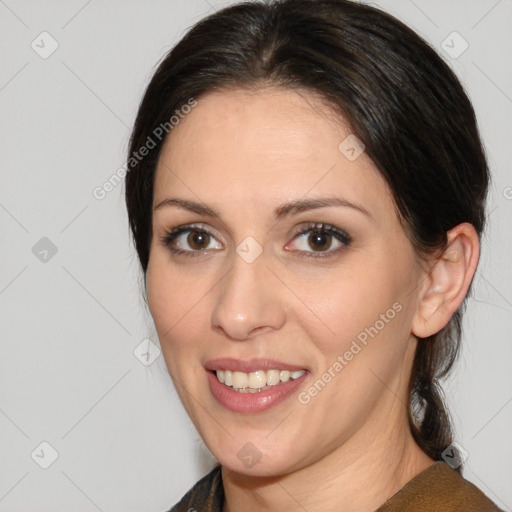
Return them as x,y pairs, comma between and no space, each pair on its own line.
252,402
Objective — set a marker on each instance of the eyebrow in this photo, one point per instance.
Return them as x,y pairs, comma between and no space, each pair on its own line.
282,211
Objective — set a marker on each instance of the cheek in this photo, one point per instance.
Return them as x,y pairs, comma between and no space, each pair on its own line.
365,324
345,305
359,348
168,298
178,306
161,294
169,291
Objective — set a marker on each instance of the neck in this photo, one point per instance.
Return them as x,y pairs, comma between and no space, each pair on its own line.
359,476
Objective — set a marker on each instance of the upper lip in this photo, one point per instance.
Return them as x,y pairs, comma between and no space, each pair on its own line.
249,365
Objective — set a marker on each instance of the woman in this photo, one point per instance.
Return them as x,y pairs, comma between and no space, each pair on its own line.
307,203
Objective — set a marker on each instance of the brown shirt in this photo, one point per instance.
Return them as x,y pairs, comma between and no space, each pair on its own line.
437,488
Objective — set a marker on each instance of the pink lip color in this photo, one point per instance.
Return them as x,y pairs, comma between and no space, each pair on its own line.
252,365
252,402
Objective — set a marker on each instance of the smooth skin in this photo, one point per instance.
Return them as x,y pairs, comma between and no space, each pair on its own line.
246,153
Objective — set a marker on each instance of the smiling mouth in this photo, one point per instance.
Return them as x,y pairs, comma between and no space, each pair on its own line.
255,382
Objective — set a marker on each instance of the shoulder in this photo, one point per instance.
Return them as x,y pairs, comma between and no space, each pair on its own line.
206,495
439,488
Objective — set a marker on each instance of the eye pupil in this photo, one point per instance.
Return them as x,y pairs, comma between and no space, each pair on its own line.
320,240
197,239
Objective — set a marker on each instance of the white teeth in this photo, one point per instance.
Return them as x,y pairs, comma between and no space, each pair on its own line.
240,380
296,374
256,381
273,377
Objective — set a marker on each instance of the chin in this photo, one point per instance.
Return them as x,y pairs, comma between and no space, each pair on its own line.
262,468
255,456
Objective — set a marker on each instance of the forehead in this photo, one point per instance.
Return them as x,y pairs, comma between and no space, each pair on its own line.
263,144
263,122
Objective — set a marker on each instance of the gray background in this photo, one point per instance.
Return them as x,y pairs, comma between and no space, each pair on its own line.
70,321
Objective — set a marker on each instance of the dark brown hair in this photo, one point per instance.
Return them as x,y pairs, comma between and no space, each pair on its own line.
400,99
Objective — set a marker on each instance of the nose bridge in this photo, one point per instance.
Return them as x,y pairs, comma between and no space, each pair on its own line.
247,298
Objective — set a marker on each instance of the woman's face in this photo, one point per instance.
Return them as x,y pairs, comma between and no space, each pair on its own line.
259,290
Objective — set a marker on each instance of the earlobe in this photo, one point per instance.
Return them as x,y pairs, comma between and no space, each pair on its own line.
447,282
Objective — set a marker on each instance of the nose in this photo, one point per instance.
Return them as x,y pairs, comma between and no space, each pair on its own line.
249,301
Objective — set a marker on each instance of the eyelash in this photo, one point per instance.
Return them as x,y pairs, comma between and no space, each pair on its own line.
322,228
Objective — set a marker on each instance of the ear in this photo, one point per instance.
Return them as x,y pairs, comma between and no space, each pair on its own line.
448,281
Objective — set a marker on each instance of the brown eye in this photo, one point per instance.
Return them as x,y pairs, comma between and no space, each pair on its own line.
315,239
320,241
198,240
189,240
